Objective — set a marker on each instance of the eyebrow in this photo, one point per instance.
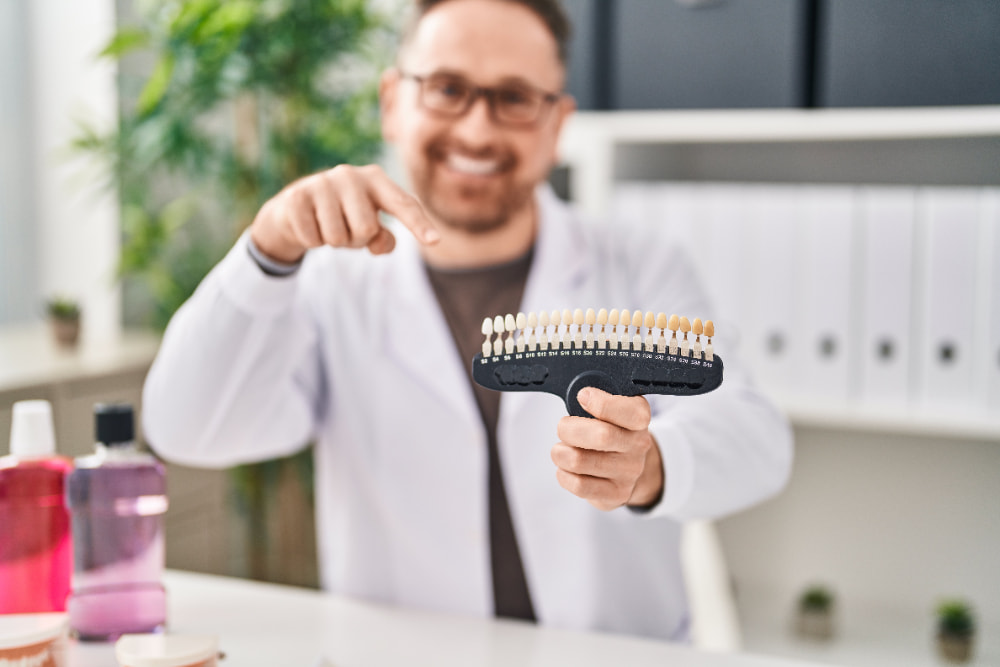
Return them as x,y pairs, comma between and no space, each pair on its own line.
506,81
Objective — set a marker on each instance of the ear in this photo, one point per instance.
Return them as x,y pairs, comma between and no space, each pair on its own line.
388,86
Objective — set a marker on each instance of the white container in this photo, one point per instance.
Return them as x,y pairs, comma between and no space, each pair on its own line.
167,651
38,640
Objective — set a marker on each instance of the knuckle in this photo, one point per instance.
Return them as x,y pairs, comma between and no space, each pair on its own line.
643,412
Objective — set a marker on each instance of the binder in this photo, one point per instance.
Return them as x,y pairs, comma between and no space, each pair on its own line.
726,263
769,338
950,221
888,220
988,357
680,206
825,299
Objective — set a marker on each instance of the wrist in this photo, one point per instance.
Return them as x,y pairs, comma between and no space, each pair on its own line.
274,247
651,483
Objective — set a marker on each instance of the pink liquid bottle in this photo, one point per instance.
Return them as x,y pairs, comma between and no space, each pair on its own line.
117,498
36,552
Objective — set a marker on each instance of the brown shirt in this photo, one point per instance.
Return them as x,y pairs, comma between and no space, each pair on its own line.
467,297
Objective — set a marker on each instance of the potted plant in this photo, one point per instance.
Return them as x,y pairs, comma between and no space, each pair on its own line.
815,613
224,102
64,320
956,630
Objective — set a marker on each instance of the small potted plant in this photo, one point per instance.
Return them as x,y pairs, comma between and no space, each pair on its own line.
814,614
64,318
956,630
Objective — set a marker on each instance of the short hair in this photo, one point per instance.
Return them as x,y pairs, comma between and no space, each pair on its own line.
550,11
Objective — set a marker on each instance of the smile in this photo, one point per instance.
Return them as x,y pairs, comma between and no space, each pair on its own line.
472,166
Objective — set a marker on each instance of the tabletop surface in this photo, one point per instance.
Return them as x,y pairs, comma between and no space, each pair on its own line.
268,625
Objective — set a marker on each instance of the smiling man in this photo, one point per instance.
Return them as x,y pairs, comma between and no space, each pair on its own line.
324,326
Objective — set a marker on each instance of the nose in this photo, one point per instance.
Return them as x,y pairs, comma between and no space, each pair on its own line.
476,125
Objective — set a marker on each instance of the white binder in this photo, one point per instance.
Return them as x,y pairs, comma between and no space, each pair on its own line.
773,213
888,220
825,300
680,206
726,262
987,361
950,220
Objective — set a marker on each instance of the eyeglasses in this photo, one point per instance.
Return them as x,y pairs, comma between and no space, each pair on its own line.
518,105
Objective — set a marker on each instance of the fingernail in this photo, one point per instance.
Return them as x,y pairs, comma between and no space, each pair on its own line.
432,236
585,395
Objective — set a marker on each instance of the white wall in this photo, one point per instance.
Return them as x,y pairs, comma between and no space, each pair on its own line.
892,522
76,221
19,297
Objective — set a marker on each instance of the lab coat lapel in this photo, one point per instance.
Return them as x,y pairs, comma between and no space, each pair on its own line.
416,334
557,278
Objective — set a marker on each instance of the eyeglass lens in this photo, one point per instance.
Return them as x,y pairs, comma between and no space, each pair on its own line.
454,95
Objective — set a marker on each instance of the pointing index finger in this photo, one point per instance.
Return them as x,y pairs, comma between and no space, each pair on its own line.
395,201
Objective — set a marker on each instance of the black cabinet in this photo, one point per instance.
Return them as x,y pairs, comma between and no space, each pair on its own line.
701,54
682,55
908,53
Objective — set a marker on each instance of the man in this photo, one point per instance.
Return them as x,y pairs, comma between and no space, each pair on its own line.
432,491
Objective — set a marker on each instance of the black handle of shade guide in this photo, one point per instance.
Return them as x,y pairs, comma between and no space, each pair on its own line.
624,372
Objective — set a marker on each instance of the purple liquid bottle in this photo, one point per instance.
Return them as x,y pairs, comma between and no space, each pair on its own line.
117,497
36,553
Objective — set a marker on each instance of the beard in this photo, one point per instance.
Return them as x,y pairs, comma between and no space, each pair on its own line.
471,208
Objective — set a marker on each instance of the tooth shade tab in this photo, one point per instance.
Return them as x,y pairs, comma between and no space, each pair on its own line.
498,324
636,319
650,320
591,318
555,318
532,319
488,326
685,326
543,319
613,317
709,328
674,323
602,317
520,321
696,327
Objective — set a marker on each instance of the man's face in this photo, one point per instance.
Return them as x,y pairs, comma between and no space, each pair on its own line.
471,172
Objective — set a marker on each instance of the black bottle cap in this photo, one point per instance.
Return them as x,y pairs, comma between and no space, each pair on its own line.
114,423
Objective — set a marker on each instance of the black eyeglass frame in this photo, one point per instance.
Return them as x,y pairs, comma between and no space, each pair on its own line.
548,99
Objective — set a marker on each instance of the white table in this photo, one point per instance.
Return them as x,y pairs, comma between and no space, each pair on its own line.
280,626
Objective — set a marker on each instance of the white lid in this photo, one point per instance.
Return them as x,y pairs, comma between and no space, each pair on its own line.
31,432
165,650
20,630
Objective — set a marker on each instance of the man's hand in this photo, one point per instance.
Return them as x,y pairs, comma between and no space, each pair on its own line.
337,207
612,460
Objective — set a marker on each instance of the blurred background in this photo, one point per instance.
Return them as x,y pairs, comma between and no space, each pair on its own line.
832,165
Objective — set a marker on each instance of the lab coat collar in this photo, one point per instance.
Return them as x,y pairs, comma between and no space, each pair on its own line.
416,333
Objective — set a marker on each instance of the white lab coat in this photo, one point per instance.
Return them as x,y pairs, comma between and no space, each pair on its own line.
353,352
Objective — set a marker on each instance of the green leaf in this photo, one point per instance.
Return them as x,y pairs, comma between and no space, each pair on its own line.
156,87
125,41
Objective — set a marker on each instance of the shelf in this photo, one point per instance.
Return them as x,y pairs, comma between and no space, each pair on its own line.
782,125
866,636
919,146
971,425
30,357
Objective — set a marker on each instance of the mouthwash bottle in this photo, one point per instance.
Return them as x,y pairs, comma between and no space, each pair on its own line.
36,552
117,498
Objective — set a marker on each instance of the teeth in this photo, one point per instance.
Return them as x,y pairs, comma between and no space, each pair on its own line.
468,165
530,332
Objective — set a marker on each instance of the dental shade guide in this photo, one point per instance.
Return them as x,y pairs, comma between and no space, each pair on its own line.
584,349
